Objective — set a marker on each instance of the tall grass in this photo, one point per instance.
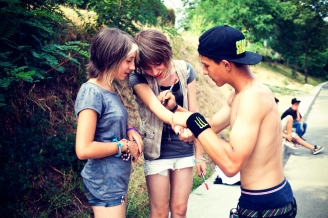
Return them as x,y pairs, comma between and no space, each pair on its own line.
288,72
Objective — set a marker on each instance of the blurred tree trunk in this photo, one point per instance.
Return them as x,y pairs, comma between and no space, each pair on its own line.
306,57
294,74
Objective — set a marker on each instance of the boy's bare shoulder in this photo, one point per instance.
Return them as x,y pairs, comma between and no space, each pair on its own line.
257,96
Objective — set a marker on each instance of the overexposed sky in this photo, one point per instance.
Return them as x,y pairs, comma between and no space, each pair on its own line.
177,6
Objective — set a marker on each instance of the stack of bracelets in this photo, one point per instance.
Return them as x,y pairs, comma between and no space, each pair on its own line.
125,155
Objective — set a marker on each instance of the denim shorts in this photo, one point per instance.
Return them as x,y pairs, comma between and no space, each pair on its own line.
93,201
161,166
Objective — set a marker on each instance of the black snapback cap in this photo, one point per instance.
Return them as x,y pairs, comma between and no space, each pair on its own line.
228,43
294,100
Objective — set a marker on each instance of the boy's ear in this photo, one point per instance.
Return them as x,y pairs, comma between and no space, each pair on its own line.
226,65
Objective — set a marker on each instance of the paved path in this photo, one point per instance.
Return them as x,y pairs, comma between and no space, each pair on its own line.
307,173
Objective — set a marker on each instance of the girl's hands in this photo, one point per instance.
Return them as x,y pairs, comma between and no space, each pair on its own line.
200,166
133,135
134,150
180,118
184,134
167,99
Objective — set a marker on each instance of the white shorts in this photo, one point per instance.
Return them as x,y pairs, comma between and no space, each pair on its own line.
162,166
284,125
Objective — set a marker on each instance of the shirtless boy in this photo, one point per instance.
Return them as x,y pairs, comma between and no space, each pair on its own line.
254,147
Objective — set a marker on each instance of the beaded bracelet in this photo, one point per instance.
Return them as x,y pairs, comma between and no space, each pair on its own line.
126,155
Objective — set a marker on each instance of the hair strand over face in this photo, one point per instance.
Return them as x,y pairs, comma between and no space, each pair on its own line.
154,48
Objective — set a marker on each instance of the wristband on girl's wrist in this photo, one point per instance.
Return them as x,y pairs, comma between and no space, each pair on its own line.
132,128
175,108
197,124
199,160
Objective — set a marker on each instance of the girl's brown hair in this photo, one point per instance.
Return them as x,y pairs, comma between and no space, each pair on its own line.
154,48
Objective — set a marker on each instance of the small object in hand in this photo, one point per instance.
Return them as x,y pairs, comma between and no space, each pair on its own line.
204,181
170,90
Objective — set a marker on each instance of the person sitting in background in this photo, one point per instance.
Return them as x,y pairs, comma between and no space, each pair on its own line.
298,123
290,138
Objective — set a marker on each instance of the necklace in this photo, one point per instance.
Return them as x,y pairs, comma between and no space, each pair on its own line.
168,74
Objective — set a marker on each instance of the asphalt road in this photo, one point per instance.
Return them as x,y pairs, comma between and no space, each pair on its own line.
307,173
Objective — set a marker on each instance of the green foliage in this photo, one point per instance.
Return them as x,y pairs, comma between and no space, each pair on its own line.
302,36
37,160
28,41
317,61
254,18
129,15
138,205
297,31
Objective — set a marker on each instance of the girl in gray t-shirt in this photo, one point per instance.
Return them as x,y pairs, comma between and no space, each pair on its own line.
102,124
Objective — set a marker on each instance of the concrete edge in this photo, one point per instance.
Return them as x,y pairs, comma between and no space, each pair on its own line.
306,105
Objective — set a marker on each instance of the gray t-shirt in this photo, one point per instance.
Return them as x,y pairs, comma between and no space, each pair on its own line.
107,177
171,145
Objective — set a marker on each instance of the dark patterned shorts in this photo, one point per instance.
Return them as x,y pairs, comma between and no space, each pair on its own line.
284,212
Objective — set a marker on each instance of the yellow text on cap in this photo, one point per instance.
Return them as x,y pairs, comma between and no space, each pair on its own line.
241,46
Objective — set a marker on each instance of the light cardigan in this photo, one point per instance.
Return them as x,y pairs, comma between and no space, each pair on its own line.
151,127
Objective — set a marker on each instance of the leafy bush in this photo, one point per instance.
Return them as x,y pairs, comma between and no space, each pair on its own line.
40,171
29,41
41,70
130,15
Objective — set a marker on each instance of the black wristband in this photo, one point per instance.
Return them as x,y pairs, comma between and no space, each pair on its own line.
197,124
175,108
